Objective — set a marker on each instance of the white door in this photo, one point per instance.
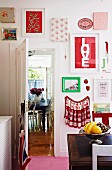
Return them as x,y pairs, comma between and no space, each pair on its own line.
22,90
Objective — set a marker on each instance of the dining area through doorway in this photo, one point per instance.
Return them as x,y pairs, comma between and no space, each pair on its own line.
41,112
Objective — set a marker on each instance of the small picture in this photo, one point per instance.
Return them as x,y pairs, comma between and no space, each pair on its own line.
9,33
7,15
101,107
33,22
70,84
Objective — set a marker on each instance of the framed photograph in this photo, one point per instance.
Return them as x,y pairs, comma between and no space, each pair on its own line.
9,33
70,84
84,52
102,89
7,15
33,22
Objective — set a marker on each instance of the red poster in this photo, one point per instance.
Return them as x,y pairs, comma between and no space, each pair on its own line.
33,21
85,52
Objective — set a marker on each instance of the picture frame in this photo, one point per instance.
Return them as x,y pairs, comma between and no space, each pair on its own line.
9,34
84,52
71,84
33,22
102,89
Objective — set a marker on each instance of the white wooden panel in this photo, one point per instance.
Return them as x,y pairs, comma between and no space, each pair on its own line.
5,146
4,79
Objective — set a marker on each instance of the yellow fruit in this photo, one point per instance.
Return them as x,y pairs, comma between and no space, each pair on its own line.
96,130
89,127
85,127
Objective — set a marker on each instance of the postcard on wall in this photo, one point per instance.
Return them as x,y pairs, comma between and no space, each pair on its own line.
7,15
9,33
101,107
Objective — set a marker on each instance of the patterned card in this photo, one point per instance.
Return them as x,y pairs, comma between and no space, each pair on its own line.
100,20
59,29
7,15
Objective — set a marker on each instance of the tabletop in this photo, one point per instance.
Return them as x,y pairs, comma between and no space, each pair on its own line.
80,152
37,105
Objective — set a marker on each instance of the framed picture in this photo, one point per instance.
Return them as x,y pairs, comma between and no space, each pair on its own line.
70,84
7,15
84,52
9,33
102,89
101,107
33,22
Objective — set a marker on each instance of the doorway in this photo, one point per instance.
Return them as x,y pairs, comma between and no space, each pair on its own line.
40,75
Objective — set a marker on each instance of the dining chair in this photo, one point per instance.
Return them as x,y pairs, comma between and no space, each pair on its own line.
100,150
106,118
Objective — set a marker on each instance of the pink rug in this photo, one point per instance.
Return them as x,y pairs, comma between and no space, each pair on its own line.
48,163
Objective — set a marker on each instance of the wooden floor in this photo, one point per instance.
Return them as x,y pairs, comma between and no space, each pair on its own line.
41,143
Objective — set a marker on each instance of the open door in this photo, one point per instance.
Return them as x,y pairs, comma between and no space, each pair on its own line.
22,91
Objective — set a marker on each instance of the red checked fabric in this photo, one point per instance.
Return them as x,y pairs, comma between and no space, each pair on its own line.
77,113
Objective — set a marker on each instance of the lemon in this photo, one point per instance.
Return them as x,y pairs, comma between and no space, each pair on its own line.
96,130
89,127
85,127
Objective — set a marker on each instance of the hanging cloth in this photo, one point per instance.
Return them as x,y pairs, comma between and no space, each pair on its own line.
77,113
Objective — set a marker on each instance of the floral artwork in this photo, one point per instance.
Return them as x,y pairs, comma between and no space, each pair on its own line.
9,33
7,15
59,29
36,91
33,22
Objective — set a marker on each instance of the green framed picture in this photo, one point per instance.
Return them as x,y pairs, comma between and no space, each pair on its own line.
71,84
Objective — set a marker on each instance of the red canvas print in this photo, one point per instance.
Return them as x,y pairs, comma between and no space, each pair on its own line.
85,52
33,21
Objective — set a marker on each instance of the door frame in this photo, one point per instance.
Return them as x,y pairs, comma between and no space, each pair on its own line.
56,87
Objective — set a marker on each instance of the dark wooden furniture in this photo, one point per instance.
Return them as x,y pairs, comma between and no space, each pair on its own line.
80,153
105,117
41,106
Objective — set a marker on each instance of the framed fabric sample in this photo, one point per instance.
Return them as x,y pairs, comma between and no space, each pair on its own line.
59,29
84,53
9,33
33,21
102,89
70,84
7,15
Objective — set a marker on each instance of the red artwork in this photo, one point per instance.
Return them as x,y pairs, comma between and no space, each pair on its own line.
85,52
33,21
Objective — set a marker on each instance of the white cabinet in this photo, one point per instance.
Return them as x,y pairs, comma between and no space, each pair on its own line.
5,143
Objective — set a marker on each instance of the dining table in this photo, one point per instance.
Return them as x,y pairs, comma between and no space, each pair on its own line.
80,152
42,106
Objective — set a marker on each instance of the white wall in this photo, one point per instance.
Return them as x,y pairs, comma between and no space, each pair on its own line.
73,10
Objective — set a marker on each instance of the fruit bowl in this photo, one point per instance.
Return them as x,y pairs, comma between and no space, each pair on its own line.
96,137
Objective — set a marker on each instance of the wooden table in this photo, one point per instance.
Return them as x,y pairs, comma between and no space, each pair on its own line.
80,153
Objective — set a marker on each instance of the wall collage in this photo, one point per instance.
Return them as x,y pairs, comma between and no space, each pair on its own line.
84,48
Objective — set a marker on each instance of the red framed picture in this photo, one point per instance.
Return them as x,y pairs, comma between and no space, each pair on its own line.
84,53
33,22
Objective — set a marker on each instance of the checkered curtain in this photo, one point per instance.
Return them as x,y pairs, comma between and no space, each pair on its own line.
77,113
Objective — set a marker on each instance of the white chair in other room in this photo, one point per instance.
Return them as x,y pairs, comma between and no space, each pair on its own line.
100,150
